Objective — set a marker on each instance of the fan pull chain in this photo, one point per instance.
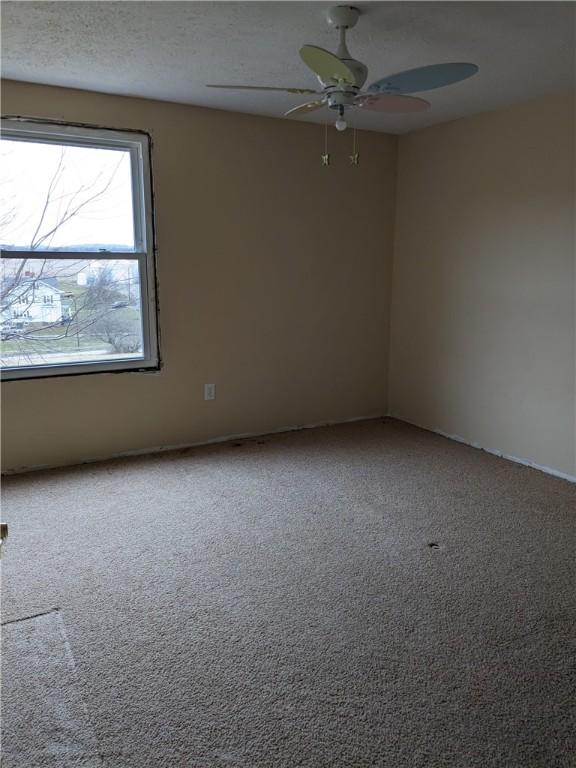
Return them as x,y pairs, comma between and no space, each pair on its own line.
326,155
355,156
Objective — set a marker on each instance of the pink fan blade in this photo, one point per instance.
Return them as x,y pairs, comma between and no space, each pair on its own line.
392,103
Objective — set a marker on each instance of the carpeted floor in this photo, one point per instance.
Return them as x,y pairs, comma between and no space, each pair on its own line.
362,595
46,717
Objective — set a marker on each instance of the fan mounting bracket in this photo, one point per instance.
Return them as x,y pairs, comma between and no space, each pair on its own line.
343,16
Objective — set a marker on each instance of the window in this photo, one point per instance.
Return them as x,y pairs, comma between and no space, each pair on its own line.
77,283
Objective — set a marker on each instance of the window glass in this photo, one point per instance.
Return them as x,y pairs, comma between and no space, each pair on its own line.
55,196
63,311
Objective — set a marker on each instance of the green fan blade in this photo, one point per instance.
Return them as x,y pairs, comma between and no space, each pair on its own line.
329,68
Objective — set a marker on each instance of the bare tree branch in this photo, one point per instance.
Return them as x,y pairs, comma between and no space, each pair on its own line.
53,182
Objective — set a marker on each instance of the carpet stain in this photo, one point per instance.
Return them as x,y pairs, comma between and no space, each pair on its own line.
28,618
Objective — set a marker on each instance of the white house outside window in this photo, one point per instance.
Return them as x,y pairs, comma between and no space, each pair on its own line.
77,283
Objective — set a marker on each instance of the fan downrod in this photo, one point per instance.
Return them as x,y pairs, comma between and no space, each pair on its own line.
342,97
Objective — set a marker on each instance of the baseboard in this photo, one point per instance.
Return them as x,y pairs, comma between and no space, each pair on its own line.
184,446
493,451
286,429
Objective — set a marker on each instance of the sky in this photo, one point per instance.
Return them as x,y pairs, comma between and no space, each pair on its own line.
34,175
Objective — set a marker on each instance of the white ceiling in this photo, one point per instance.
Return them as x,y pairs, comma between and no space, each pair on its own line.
170,50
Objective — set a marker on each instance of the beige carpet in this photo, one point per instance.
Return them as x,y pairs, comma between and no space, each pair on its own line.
361,595
46,719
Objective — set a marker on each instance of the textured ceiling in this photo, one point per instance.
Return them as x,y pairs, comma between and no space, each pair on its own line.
170,50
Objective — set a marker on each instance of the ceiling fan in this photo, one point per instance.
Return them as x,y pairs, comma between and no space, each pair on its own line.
342,78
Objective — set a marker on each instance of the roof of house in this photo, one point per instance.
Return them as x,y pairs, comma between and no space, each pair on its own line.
49,282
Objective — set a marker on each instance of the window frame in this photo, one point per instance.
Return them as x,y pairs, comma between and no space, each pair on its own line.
139,145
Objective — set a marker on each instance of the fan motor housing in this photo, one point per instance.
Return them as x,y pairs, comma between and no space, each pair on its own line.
341,99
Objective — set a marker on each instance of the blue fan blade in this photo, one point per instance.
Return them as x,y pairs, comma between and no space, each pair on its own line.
424,78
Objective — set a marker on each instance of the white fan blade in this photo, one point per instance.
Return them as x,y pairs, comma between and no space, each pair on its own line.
328,67
311,106
385,102
302,91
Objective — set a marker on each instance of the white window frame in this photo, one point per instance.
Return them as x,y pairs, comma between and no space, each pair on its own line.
138,145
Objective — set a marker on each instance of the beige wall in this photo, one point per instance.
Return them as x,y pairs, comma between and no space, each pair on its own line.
265,288
265,291
483,324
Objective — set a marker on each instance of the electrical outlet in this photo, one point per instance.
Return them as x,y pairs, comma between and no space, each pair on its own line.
209,391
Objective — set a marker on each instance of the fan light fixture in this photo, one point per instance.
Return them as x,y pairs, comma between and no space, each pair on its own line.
340,123
342,78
